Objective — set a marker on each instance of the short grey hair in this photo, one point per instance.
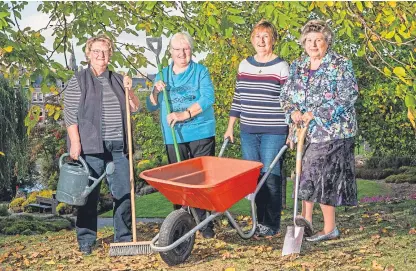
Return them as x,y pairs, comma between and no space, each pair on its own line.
316,26
183,36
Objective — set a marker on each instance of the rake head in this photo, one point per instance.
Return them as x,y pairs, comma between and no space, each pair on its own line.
130,249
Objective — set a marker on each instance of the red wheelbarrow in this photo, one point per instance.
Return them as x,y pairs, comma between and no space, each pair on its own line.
210,183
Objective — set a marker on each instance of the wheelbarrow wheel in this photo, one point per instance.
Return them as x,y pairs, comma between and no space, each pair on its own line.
176,225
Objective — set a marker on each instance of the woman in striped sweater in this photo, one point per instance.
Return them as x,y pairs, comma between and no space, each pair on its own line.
263,130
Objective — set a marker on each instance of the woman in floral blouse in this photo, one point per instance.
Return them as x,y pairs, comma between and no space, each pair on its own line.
321,90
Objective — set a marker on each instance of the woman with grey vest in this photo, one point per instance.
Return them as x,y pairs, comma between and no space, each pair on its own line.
95,117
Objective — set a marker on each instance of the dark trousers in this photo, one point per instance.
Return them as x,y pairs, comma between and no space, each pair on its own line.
269,202
197,148
119,184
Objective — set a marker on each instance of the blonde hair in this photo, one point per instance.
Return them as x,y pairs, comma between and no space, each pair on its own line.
265,25
99,38
316,26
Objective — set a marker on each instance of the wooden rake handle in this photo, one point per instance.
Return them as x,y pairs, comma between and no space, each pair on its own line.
131,172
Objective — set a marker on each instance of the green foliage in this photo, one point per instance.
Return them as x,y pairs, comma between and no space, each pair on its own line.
63,208
374,173
15,165
32,199
405,174
148,141
383,120
378,36
16,205
49,143
28,225
105,203
401,178
4,210
382,162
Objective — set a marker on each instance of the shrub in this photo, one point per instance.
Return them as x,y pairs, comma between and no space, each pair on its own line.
408,169
63,208
401,178
16,205
105,203
372,162
389,161
32,198
374,173
3,210
29,225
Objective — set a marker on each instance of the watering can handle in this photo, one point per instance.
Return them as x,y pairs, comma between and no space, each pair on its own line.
84,164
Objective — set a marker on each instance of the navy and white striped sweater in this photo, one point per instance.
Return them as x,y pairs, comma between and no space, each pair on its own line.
257,96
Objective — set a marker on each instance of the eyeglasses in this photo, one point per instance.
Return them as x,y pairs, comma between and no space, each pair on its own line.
178,50
99,52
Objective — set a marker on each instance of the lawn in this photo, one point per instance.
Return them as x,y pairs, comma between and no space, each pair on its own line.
156,205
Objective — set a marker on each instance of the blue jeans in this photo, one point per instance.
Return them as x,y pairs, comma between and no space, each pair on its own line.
264,148
119,183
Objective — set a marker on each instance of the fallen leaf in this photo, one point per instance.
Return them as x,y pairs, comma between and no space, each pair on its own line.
51,262
412,231
8,49
376,267
230,269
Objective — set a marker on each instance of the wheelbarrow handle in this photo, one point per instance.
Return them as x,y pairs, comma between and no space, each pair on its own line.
224,145
269,170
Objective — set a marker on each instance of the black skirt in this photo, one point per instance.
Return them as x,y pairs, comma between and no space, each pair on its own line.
328,173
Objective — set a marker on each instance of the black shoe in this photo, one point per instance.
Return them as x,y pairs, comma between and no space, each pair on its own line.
86,249
302,222
208,233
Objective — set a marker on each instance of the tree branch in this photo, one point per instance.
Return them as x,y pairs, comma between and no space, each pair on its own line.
365,25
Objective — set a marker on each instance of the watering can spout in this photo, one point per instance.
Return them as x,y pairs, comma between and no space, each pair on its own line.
109,169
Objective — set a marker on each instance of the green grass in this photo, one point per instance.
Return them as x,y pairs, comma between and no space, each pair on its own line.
156,205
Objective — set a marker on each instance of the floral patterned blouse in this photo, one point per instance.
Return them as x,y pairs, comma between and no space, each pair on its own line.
329,93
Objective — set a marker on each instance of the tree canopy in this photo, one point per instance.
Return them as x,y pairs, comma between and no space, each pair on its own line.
380,37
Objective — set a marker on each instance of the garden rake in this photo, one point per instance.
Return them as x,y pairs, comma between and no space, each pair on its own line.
294,234
130,248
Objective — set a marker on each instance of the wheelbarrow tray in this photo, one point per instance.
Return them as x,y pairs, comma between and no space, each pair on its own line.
208,182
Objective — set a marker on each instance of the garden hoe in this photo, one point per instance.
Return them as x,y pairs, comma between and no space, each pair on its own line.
156,51
130,248
294,234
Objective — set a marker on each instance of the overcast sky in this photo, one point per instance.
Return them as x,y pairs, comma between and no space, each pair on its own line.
36,20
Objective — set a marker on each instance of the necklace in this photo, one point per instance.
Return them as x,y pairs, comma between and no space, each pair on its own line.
262,65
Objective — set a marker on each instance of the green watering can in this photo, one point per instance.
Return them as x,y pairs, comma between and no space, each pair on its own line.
74,184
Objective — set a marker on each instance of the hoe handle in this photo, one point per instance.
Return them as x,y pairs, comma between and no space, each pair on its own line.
301,134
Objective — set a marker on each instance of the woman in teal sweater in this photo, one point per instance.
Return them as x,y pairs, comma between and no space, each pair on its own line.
191,96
